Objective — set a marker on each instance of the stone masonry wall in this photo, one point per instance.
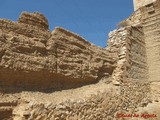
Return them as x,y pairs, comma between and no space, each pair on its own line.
118,42
130,46
104,105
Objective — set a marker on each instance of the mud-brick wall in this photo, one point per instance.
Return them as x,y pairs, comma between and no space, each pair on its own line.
31,57
151,26
78,58
129,44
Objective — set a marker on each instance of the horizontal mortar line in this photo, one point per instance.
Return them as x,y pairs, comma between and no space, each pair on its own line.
141,31
151,19
131,37
157,14
153,31
138,41
150,31
137,62
146,30
135,52
151,24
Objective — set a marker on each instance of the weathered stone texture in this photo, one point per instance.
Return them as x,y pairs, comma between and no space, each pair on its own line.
151,26
6,108
60,59
33,58
24,29
76,57
34,19
129,43
140,3
135,18
139,68
99,106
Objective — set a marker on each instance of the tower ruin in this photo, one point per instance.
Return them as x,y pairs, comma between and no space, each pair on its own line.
141,3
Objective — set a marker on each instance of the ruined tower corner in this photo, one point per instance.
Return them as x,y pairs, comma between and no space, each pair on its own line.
141,3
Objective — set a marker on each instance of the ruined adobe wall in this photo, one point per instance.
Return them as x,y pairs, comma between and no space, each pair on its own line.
34,19
130,46
78,58
151,25
58,60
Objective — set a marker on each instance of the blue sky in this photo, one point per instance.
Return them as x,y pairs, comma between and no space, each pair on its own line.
92,19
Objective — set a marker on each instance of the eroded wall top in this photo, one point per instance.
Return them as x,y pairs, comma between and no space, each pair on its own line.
53,59
140,3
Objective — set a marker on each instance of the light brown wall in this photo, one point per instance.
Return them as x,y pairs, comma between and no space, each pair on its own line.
32,57
151,26
141,3
129,44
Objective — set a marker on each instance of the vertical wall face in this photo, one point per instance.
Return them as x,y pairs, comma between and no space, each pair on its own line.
119,43
151,26
130,47
138,68
140,3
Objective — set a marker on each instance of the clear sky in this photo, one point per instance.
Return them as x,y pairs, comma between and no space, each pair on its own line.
92,19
